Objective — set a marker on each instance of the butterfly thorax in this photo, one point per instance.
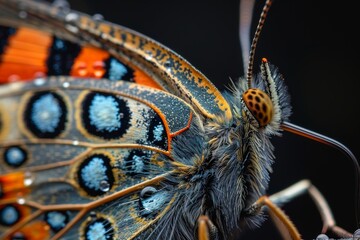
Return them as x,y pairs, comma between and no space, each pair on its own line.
232,169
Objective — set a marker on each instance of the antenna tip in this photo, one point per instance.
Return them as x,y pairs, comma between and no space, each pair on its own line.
264,60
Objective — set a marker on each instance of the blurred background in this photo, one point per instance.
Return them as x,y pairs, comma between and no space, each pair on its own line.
313,43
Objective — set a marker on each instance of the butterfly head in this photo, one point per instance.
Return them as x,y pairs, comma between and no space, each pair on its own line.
265,101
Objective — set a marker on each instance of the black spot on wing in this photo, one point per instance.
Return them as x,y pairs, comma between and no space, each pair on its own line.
61,57
5,33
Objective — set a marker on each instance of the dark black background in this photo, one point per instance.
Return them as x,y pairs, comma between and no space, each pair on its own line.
314,45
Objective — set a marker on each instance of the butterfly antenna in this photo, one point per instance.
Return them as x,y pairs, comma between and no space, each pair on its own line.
245,19
255,40
289,127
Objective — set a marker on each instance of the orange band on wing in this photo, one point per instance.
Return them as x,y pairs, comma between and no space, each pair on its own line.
13,185
89,63
25,55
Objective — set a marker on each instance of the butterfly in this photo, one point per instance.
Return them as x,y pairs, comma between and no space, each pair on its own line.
128,174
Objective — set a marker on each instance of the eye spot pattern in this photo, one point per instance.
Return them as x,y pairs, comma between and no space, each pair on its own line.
57,220
95,175
15,156
9,215
105,115
45,114
98,227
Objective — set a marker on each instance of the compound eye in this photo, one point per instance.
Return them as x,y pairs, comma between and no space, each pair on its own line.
259,104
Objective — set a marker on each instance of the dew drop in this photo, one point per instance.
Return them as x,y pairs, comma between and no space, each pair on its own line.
75,142
71,17
62,5
104,186
147,192
104,36
28,179
167,65
322,237
357,234
149,55
21,201
39,81
98,17
72,28
66,85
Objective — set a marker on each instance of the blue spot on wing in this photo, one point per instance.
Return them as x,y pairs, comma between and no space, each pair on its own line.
117,70
99,228
46,114
105,115
92,172
15,156
9,215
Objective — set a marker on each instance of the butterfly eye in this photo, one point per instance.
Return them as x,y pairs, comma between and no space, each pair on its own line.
259,104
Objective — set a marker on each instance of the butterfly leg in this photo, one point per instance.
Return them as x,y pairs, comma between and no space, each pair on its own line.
206,229
305,186
283,223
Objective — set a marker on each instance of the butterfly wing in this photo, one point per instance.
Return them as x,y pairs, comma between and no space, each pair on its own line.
168,69
76,156
27,53
69,171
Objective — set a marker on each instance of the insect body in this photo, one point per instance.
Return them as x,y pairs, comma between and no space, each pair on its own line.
143,158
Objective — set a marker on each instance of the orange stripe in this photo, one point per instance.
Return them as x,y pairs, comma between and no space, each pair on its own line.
23,60
20,53
89,63
29,46
13,184
25,55
37,37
